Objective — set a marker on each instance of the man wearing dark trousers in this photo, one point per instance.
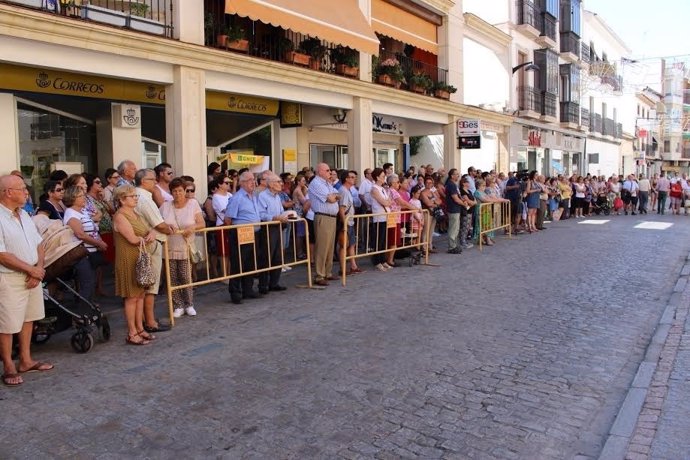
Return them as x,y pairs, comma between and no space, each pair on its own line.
243,209
271,209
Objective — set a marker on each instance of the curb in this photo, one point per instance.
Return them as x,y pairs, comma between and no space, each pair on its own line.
634,429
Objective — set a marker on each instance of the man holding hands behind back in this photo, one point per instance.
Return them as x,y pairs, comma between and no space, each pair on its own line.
21,273
324,203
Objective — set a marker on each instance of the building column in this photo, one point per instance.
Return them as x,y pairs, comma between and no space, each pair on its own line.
185,125
359,135
9,134
116,141
451,152
450,52
189,21
503,159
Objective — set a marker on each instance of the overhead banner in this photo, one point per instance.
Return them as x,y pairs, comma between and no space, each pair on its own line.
48,81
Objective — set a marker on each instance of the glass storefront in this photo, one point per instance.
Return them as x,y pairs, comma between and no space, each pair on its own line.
50,140
333,155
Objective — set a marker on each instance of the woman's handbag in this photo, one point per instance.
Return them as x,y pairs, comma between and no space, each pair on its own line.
144,269
195,255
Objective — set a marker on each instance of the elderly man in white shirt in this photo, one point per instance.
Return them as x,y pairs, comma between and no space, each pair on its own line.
21,273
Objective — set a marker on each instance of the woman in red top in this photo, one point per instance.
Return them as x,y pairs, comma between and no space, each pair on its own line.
676,194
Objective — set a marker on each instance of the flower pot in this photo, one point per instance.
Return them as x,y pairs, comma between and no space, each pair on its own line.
346,70
104,15
146,25
417,89
387,80
442,94
241,46
294,57
222,41
315,64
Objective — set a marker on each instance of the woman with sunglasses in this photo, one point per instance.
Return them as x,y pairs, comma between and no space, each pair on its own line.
111,177
94,200
52,205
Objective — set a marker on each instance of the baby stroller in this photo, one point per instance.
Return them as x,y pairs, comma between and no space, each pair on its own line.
601,205
61,253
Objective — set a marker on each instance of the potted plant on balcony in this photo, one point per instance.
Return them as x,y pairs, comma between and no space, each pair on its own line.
236,39
443,90
390,73
313,47
346,61
292,55
420,82
137,19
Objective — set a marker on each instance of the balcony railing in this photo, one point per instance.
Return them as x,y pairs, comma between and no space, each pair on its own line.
615,81
584,53
528,13
548,28
584,117
529,99
609,128
619,130
596,125
412,67
570,112
149,16
686,153
570,43
550,105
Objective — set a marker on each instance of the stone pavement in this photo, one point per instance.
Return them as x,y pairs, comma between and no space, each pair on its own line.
527,350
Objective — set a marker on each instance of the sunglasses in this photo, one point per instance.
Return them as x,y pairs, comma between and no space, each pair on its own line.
97,181
59,190
170,173
189,190
227,182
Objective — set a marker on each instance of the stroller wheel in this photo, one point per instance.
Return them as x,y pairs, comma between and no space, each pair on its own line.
412,260
40,337
82,342
104,330
607,211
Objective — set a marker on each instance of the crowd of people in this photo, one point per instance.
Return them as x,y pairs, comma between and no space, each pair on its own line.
131,210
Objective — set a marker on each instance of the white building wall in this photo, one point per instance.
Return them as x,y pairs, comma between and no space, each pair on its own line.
486,77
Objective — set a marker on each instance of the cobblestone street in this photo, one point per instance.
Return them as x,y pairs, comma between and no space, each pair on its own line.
526,350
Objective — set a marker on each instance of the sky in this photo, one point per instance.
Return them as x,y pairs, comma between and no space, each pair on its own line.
651,29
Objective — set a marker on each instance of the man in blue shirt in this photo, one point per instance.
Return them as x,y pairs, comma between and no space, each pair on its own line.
324,203
270,207
242,209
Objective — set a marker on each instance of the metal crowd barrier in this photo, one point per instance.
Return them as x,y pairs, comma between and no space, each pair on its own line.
376,237
493,216
243,234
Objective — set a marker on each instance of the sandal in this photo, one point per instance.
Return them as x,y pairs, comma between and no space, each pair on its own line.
130,340
12,380
146,336
356,270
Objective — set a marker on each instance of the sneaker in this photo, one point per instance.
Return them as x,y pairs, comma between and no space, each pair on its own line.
387,266
190,311
436,234
381,268
467,246
178,312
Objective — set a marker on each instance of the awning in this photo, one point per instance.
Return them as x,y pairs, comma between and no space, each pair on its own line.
342,23
391,21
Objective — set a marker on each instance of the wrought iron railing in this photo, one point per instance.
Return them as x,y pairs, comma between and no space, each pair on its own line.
529,98
609,127
548,24
585,53
528,13
584,117
619,130
686,153
570,112
615,81
149,16
596,125
570,43
410,67
550,105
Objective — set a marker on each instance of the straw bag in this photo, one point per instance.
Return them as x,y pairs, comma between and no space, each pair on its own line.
144,269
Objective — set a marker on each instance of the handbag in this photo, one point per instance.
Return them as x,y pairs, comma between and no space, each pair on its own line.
144,270
195,255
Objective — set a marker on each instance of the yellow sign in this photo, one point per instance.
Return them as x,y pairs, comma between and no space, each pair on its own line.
289,155
245,235
391,220
73,84
239,103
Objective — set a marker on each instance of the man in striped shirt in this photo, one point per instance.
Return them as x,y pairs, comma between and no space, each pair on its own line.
324,203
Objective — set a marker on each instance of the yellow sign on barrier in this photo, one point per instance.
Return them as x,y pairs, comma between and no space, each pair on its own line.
245,235
392,220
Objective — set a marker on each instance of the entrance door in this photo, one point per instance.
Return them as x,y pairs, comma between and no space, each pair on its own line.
334,156
383,155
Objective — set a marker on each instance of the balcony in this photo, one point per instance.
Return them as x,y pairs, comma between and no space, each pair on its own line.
570,115
530,102
148,16
619,130
419,77
609,128
570,47
550,107
529,18
614,81
547,38
584,119
596,126
585,57
686,153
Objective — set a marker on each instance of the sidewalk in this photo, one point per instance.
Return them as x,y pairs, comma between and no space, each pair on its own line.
653,421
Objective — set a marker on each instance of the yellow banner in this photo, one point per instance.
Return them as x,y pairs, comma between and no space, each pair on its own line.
228,102
245,235
73,84
392,220
244,159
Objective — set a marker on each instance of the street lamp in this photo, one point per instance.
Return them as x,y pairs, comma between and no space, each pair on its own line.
529,66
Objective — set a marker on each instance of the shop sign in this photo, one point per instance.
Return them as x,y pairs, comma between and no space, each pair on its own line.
468,128
534,138
73,84
216,100
470,142
388,126
127,116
